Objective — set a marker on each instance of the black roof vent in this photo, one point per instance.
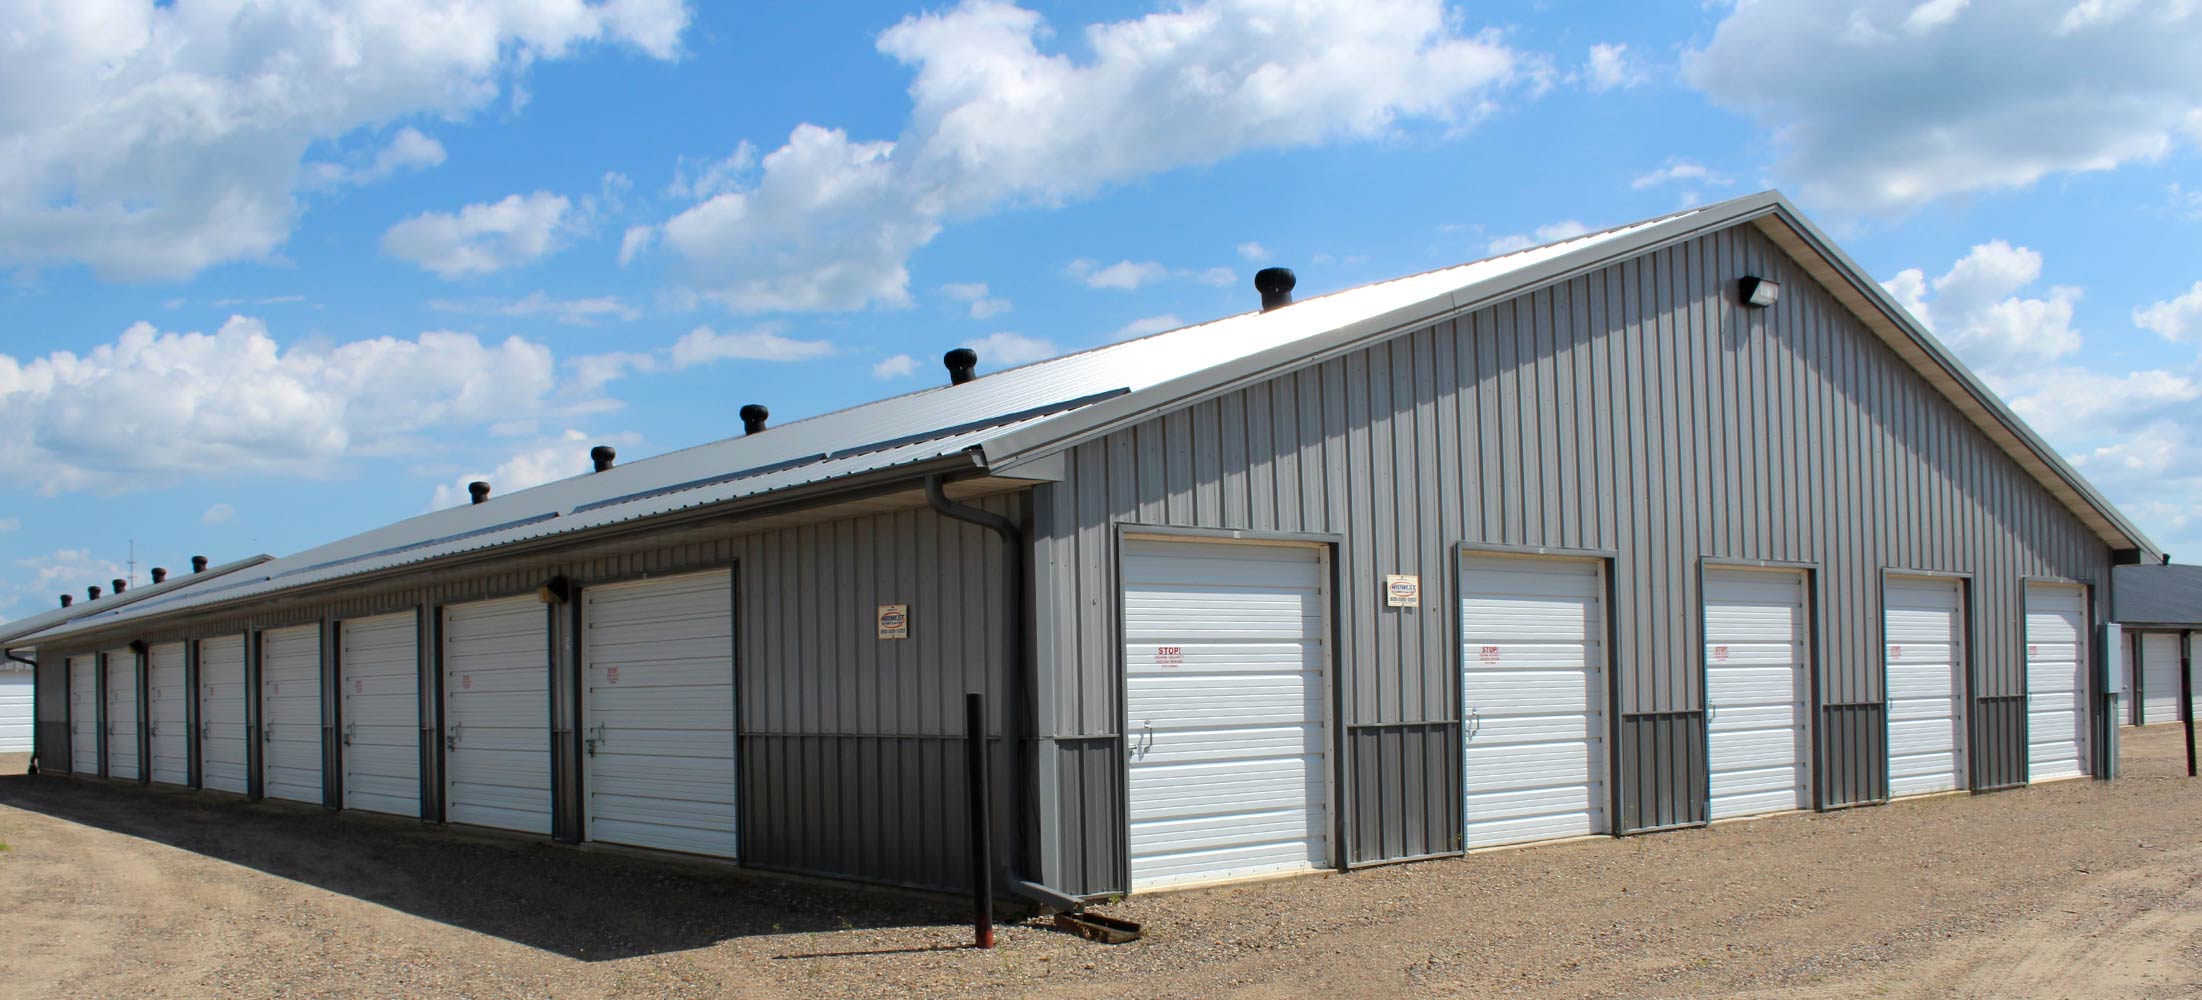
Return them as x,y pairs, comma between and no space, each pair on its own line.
160,574
198,564
602,457
963,365
91,593
753,418
478,490
68,599
1275,284
119,584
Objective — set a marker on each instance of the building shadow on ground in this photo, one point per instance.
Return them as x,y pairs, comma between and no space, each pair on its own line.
591,905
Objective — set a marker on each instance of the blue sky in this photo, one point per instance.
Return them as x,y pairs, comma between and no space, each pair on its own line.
271,273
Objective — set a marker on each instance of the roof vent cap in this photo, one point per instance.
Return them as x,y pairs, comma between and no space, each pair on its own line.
1275,284
160,574
198,564
754,416
68,599
479,490
119,583
602,457
91,593
963,365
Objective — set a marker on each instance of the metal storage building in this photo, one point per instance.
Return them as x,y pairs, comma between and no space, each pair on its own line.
2158,609
1673,523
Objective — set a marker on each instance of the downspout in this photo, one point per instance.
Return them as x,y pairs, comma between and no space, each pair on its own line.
33,664
1016,587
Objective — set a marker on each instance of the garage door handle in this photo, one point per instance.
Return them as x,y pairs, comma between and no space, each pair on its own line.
348,733
451,739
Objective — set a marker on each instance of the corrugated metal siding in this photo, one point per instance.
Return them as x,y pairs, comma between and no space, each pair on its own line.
51,738
1635,409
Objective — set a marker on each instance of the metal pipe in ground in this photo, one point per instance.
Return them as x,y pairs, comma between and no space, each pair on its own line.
979,793
2186,693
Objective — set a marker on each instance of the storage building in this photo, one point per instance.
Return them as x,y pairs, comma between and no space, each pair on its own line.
2159,610
1678,522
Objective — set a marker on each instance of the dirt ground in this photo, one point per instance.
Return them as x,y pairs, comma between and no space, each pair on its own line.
2074,889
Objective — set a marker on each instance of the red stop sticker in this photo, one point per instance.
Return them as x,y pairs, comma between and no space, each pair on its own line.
611,675
1720,653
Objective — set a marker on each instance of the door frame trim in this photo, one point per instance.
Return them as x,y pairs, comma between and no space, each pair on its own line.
1968,597
1815,612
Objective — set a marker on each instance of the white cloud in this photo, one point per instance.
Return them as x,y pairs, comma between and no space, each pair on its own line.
1609,67
156,407
1124,274
538,464
220,513
703,345
150,141
634,242
700,179
1883,105
575,312
41,579
975,295
2177,319
899,366
829,222
1147,325
1006,349
410,149
1252,252
8,524
1680,172
1565,229
483,238
1976,309
2183,201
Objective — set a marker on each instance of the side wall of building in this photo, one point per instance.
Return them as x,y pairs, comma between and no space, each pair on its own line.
1636,409
850,749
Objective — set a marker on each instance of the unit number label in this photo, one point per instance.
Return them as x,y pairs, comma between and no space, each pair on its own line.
1169,656
1490,654
359,687
1896,652
1720,654
466,682
611,675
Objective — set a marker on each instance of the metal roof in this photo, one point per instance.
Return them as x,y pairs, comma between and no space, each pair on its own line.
82,610
2156,595
1014,417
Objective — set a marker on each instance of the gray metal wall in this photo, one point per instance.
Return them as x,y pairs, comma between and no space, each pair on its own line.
851,757
1636,409
50,733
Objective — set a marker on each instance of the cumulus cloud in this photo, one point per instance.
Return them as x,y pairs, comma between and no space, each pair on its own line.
1977,310
220,513
1608,67
1680,172
829,222
899,366
1882,105
410,149
150,141
1566,229
154,407
1005,349
484,238
535,465
586,311
974,295
2177,319
1252,252
39,580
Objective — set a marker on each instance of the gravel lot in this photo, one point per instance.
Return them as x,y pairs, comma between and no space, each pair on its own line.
2073,889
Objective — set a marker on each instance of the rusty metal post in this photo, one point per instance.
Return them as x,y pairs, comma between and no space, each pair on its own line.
978,790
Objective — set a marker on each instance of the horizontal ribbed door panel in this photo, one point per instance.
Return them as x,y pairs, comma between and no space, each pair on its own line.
222,730
84,714
2056,656
290,713
1923,619
496,715
1755,690
171,732
1533,638
16,710
2159,677
380,711
659,713
1224,705
122,714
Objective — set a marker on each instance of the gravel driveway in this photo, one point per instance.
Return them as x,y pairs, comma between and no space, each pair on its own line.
2074,889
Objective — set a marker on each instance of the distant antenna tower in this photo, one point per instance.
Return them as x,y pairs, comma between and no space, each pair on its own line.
133,562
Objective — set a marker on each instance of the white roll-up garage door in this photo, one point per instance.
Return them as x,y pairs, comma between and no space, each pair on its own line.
222,729
496,714
1225,665
290,714
379,713
2056,684
2159,677
1923,621
83,714
122,714
171,728
658,716
17,713
1533,692
1756,657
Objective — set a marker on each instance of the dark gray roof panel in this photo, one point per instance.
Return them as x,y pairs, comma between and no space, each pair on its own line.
2157,595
